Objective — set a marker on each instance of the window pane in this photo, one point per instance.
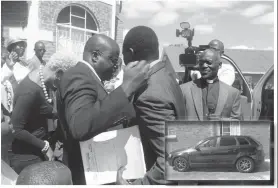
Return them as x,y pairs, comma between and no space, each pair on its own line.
77,35
242,141
90,23
77,39
212,142
78,11
229,141
64,16
253,142
89,35
78,22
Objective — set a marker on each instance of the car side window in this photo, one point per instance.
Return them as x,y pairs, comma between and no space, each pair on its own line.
209,143
229,141
242,141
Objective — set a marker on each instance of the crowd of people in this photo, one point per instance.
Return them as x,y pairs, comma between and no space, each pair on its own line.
67,100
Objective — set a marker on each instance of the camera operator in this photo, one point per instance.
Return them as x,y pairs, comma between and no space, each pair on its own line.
227,72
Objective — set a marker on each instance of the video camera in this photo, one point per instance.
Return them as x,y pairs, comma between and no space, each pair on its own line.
190,56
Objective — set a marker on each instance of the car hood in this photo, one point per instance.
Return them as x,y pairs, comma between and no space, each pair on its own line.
183,150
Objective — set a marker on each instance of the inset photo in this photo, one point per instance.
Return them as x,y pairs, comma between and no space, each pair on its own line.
218,150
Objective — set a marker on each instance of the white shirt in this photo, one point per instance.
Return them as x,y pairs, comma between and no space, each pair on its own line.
19,72
227,74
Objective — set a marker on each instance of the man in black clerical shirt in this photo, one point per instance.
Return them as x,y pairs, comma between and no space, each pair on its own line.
208,98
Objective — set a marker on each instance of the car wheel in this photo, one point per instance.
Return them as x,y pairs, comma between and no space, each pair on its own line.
181,164
245,165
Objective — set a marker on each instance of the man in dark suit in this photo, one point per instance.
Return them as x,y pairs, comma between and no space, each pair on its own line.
160,101
209,98
84,107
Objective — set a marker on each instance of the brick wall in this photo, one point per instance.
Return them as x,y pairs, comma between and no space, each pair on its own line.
119,26
188,133
49,11
119,32
258,130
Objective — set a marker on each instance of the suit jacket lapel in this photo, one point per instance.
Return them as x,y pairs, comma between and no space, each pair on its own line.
196,93
222,98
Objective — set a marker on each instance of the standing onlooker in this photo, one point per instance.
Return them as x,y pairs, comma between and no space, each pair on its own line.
226,73
32,108
36,60
15,69
208,98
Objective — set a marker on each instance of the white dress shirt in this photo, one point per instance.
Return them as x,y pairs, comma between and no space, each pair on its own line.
18,70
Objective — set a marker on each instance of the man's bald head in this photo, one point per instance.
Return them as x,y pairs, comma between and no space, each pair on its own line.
100,42
217,45
102,53
45,173
39,49
209,63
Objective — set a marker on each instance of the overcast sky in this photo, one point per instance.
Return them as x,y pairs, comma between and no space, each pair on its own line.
239,24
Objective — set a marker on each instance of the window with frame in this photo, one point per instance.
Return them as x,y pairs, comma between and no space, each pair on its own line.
225,128
75,25
242,141
78,17
209,143
227,141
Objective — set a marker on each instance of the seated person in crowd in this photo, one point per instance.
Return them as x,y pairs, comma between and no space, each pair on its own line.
45,173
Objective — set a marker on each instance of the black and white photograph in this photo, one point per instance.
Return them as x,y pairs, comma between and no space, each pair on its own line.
219,150
91,91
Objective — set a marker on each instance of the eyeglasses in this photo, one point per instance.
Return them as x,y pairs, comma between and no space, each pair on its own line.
113,61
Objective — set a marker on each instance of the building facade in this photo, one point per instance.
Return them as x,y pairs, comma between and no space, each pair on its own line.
61,25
